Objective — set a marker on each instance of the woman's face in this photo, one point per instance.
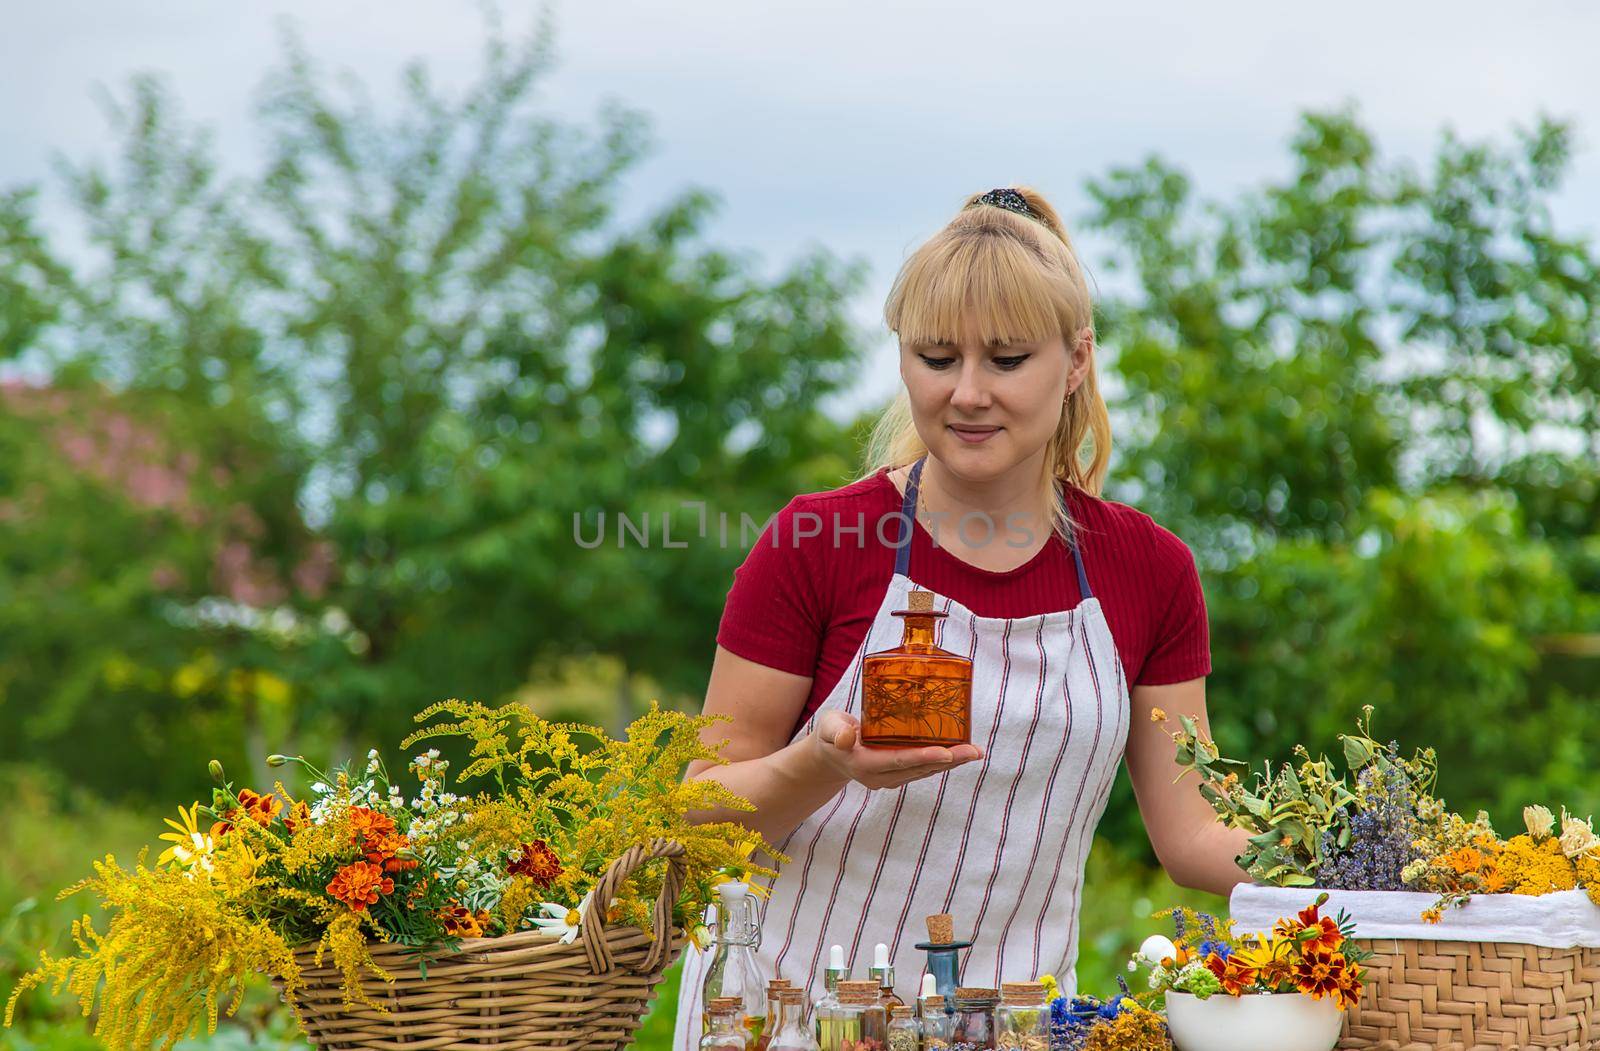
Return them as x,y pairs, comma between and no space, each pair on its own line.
984,410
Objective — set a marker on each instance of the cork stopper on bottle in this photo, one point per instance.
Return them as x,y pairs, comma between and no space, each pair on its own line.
1026,993
976,994
789,995
778,983
901,1011
920,601
858,992
941,929
719,1004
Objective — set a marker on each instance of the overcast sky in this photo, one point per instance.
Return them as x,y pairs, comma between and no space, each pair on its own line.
860,125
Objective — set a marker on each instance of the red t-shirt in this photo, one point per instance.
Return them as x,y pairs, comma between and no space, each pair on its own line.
806,594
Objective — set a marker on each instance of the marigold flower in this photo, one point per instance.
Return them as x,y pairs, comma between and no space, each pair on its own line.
1319,974
359,884
298,817
537,862
1433,915
366,825
462,923
1235,975
253,806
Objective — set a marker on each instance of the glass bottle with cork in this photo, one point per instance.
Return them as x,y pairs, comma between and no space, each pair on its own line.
858,1022
774,987
916,694
724,1028
791,1033
1022,1020
973,1025
905,1032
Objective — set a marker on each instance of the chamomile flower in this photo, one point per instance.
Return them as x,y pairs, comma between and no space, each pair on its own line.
560,920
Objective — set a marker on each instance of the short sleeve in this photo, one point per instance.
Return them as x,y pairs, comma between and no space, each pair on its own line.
1180,647
774,614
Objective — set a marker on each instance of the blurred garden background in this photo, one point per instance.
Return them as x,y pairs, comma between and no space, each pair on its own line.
289,450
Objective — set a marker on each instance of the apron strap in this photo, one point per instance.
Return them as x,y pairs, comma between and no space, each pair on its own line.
908,519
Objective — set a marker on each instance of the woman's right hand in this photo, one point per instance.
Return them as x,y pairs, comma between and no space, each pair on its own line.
836,742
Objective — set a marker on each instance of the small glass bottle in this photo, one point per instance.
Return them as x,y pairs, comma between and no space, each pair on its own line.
724,1030
791,1032
1022,1021
859,1021
883,971
774,987
734,971
905,1032
936,1018
973,1025
836,972
916,694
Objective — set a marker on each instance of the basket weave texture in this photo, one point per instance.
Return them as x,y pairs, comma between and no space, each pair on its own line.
521,992
1463,996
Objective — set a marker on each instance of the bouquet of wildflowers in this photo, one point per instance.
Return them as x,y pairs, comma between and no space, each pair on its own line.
1311,954
422,861
1380,827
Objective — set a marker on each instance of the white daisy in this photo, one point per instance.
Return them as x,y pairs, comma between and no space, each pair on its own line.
560,920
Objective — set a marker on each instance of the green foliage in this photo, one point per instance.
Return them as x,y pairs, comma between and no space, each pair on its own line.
318,434
1365,396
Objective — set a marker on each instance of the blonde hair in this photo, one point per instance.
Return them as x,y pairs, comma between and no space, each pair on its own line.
1021,281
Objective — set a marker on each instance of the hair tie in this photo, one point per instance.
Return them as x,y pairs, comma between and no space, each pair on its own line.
1011,201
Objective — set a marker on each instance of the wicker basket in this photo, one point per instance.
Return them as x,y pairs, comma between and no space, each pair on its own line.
1460,995
521,992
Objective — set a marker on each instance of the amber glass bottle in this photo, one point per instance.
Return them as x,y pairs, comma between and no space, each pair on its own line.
916,694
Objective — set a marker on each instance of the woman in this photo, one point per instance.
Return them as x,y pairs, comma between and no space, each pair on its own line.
1082,617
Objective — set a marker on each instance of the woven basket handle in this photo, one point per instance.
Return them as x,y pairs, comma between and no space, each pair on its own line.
594,918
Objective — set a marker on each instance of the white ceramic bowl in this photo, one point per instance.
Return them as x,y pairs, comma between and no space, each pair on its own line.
1259,1022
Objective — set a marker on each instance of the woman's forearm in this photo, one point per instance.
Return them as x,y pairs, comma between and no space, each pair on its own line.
1210,863
786,787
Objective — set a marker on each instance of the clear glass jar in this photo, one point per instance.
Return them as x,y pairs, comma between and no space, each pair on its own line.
725,1029
937,1024
1022,1020
857,1022
905,1032
973,1024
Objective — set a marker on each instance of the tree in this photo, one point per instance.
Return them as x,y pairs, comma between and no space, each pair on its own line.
1367,398
384,373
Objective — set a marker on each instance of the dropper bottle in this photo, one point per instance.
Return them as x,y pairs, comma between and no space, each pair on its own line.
825,1011
883,971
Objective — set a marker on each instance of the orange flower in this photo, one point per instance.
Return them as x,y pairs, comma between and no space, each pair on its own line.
1349,992
366,825
1432,915
359,884
463,924
381,850
1324,935
258,808
537,862
1234,974
1319,973
299,817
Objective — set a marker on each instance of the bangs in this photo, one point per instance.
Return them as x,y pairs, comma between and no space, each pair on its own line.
1012,292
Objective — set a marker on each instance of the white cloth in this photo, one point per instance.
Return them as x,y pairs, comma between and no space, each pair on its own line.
1000,844
1564,920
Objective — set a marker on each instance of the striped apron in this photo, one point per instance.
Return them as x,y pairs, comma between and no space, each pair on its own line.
999,843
